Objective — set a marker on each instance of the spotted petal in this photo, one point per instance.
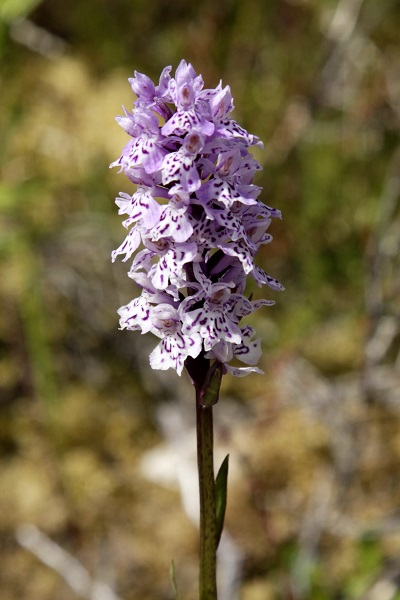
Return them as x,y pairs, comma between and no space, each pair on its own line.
261,278
222,191
249,351
174,222
184,121
136,315
173,350
213,326
241,250
141,206
170,265
128,246
177,166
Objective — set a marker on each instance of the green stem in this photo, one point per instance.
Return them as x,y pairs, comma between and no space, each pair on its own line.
208,527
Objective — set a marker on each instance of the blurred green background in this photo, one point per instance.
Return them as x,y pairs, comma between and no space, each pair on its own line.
96,450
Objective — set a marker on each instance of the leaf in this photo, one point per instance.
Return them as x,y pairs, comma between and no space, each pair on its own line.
212,385
173,579
221,486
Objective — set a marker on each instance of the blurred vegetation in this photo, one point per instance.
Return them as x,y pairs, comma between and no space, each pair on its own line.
89,437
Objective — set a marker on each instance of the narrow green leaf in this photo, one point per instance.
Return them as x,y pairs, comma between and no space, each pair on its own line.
212,385
173,579
221,487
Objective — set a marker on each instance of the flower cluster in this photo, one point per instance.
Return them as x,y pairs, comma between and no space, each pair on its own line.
196,216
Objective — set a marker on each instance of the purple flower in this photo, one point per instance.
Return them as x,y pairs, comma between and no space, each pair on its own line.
195,224
174,221
150,96
247,352
146,147
184,91
212,320
140,207
175,346
181,165
136,315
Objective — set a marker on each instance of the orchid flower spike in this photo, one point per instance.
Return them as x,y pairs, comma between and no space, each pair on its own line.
195,223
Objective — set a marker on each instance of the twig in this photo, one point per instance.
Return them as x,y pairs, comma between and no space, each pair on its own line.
68,567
